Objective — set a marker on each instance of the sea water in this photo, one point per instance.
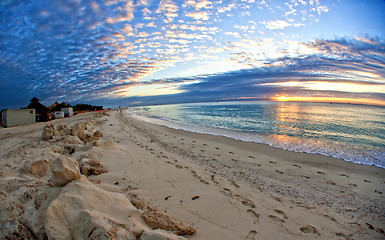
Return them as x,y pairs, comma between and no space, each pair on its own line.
354,133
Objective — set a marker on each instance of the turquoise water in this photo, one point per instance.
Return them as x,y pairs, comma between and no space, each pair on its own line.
351,132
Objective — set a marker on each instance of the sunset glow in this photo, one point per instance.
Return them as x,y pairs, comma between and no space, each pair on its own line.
329,100
125,52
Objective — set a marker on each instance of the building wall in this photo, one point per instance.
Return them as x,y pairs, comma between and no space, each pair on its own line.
68,112
15,117
59,114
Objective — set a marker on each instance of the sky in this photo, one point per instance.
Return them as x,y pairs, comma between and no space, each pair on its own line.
143,52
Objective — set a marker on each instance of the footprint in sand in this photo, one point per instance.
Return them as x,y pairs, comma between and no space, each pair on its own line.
332,183
204,144
227,192
343,175
309,230
276,219
341,236
231,153
352,184
321,173
281,213
234,183
251,235
280,172
248,203
217,148
330,218
298,166
367,181
252,157
253,214
272,162
277,199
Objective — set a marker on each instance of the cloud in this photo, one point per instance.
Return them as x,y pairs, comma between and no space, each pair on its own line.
68,51
198,4
169,9
277,24
198,15
227,8
343,68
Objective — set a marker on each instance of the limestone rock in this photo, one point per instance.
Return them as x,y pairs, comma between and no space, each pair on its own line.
49,131
72,140
91,167
84,211
16,230
97,135
79,130
160,235
64,170
88,137
137,203
156,219
63,129
40,168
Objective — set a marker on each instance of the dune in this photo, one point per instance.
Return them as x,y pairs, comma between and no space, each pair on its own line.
111,176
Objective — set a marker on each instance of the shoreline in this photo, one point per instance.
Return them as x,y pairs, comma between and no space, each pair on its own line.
244,143
225,188
276,141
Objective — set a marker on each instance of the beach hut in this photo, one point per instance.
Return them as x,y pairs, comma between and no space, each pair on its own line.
59,114
42,112
16,117
68,112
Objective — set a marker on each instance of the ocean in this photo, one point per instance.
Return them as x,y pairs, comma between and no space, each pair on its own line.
350,132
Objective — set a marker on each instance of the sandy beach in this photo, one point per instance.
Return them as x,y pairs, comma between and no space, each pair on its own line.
136,177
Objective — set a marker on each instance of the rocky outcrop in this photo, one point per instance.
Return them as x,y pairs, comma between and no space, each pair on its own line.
40,168
78,130
156,219
84,211
64,169
49,131
91,167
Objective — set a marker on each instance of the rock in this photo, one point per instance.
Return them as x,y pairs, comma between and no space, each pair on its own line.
156,219
88,137
97,135
40,168
16,230
91,167
62,129
64,169
72,140
159,235
68,149
78,130
105,144
84,211
34,221
57,149
48,132
137,203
